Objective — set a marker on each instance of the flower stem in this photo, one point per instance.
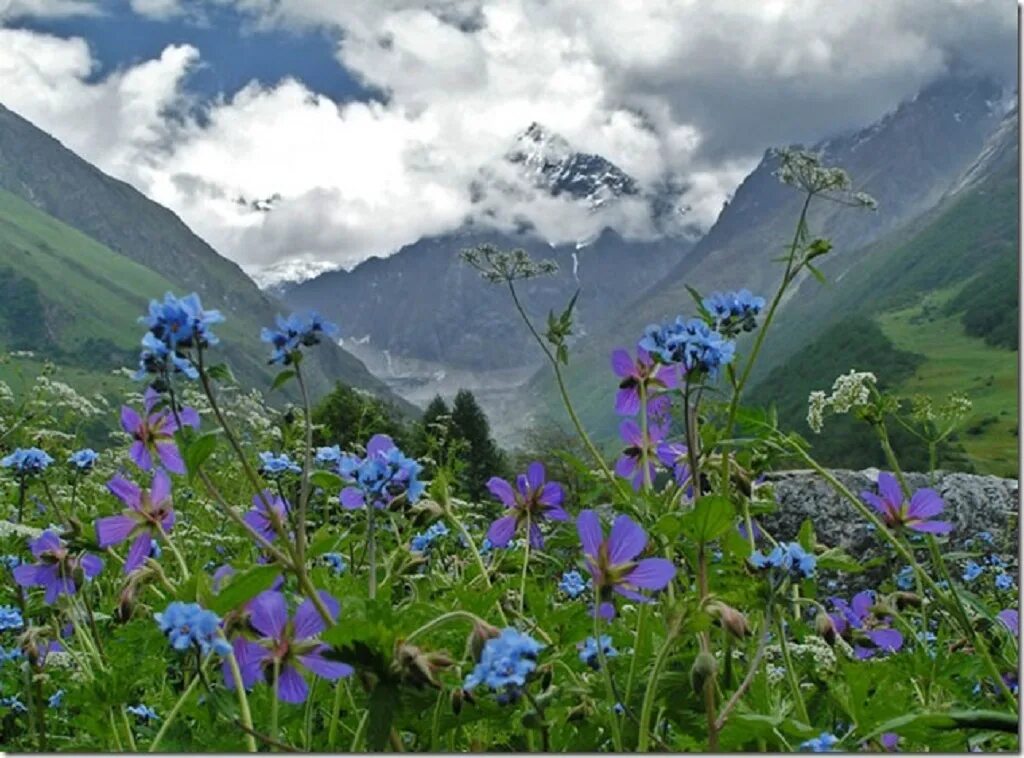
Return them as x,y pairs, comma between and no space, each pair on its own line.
128,731
174,713
275,701
243,701
441,621
177,554
794,685
652,688
371,538
644,439
526,564
609,685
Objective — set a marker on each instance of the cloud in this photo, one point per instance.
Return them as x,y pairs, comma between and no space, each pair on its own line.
684,94
19,9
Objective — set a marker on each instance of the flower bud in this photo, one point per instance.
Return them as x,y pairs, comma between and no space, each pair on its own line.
825,628
704,670
731,619
418,667
482,631
458,697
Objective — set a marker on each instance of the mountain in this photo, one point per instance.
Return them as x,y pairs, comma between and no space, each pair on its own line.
78,234
909,161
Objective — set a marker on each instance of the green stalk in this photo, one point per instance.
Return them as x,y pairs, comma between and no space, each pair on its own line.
609,685
371,538
644,443
526,564
174,713
640,617
441,621
128,731
243,702
794,685
652,686
275,702
332,730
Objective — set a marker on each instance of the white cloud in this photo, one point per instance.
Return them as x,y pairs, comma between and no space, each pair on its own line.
18,9
669,90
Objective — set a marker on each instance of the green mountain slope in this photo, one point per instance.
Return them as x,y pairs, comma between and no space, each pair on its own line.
71,194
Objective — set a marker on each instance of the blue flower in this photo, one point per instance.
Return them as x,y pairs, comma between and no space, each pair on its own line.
905,578
10,655
573,584
422,542
790,557
692,343
298,330
1004,581
336,561
56,699
505,663
189,625
384,475
486,546
589,653
14,703
972,571
328,455
158,359
27,461
181,323
143,712
734,312
619,709
274,465
84,459
823,743
10,618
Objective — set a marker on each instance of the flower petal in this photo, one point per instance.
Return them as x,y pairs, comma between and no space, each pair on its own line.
352,498
536,537
138,552
588,525
535,475
325,667
269,614
931,527
889,489
626,540
622,363
128,492
92,565
170,457
291,686
502,490
140,456
130,419
379,443
652,573
113,530
160,490
630,432
551,494
924,504
309,622
625,466
627,401
888,639
501,531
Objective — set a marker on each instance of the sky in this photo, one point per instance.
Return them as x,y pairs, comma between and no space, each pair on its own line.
295,135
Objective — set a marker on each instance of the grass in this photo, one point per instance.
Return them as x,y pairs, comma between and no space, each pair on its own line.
957,362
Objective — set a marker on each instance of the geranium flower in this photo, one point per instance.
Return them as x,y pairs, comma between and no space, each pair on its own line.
153,433
857,615
612,562
675,456
532,498
642,372
57,568
268,511
149,514
897,512
291,644
629,465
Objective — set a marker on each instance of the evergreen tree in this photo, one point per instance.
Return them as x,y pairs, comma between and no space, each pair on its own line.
482,456
349,417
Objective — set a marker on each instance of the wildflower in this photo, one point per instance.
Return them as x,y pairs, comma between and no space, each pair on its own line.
972,571
150,514
383,476
10,618
189,625
289,645
619,709
734,312
573,584
153,433
789,557
14,703
156,358
142,712
849,391
181,323
269,514
823,743
691,343
84,459
294,332
857,615
589,653
905,578
27,461
916,515
630,462
336,561
274,465
56,699
1010,618
531,501
422,542
816,404
57,568
612,562
675,457
642,373
10,562
505,663
1004,581
328,455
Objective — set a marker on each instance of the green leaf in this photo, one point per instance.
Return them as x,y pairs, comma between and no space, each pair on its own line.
281,378
836,560
244,587
817,274
322,542
198,451
918,725
711,517
326,480
670,525
806,536
222,373
384,706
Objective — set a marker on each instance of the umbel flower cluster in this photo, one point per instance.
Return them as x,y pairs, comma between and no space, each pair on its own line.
220,575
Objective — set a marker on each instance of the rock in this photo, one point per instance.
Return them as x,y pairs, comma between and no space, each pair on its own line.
973,504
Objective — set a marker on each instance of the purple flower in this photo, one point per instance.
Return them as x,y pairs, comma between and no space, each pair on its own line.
1010,619
612,562
629,464
57,568
290,643
856,615
675,457
384,475
916,515
153,433
269,511
532,498
149,514
889,741
642,372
